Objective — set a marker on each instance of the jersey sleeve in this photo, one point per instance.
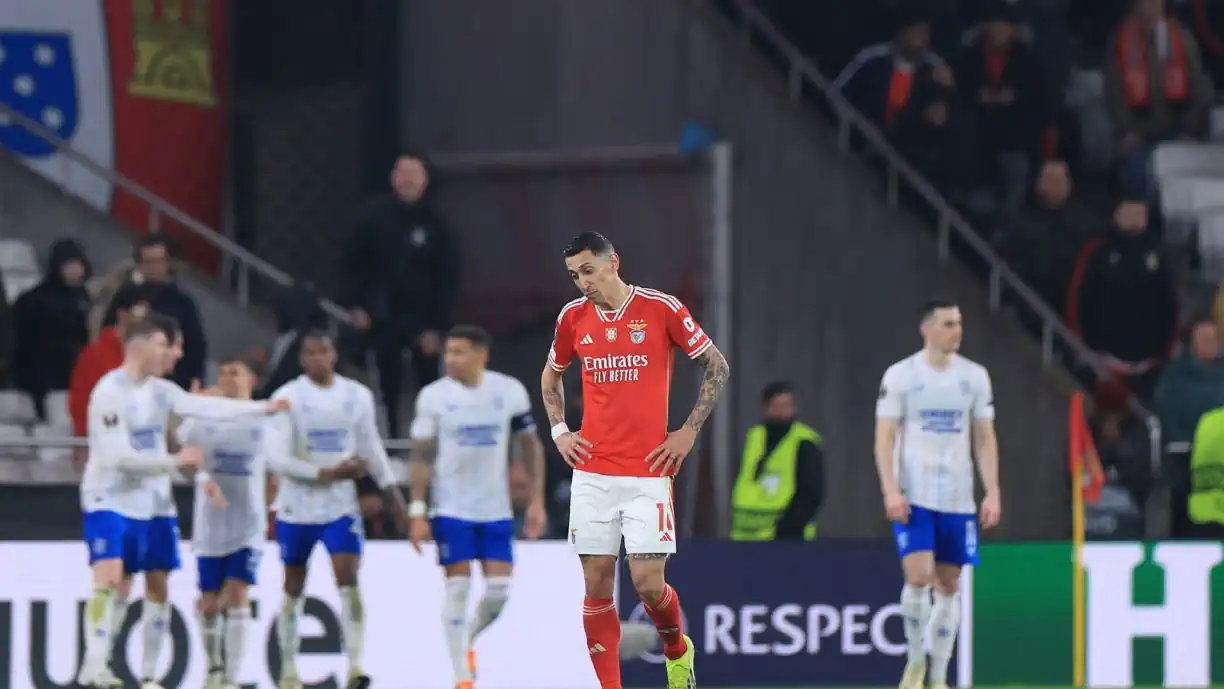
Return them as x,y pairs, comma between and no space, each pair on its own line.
891,401
521,420
684,331
110,439
187,432
983,398
185,404
425,417
561,353
369,442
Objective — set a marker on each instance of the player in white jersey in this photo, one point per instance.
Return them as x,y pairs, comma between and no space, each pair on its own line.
333,420
128,412
229,533
461,444
934,414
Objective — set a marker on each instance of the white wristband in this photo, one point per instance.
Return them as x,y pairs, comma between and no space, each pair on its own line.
559,430
417,509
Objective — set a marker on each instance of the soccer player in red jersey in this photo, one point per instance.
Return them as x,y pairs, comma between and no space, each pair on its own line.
624,458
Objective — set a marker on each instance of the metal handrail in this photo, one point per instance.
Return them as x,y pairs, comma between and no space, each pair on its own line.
801,69
158,207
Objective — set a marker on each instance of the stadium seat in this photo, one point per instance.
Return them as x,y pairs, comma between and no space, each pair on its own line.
16,408
1184,200
1187,159
1211,246
17,257
17,284
57,411
1217,124
8,434
52,454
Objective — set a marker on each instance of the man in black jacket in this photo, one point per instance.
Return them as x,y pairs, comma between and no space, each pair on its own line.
402,270
1123,298
155,268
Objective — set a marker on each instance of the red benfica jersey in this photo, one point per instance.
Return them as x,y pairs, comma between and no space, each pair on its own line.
626,358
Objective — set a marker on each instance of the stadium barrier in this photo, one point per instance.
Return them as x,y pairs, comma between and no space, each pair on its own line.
772,614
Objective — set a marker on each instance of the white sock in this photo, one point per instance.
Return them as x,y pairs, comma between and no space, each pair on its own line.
96,619
210,629
945,623
287,635
119,609
497,592
916,611
235,641
352,621
455,625
154,628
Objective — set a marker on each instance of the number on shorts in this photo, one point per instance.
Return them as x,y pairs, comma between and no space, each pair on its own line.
665,517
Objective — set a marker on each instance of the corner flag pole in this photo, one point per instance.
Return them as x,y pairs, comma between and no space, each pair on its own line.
1079,450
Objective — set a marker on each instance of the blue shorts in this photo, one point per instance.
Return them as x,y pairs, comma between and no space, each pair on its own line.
241,565
460,540
344,536
953,538
112,536
162,546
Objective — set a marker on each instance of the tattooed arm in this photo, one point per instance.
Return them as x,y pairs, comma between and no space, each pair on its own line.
713,380
421,464
552,390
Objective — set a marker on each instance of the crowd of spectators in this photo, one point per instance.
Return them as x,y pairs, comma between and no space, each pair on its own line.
993,101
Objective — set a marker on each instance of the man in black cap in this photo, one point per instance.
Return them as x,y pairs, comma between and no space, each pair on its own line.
1123,298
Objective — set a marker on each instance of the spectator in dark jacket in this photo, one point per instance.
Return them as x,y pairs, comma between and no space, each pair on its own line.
1045,245
1000,77
1123,300
1191,385
879,80
402,274
1125,451
49,322
154,268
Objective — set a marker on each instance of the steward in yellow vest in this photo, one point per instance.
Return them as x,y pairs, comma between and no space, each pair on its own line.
781,479
1207,470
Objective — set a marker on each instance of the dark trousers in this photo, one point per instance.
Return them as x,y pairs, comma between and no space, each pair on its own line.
389,356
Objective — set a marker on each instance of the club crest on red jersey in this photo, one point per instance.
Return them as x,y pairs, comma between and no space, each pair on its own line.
637,332
610,334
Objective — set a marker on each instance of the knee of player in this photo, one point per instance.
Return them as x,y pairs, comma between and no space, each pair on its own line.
234,595
497,590
649,585
599,580
209,604
947,586
156,589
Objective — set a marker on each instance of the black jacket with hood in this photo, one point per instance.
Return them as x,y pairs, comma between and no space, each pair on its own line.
402,264
49,323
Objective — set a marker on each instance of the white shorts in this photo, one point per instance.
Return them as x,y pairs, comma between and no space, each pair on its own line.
603,509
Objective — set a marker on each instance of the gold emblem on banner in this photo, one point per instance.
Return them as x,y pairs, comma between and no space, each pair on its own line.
173,49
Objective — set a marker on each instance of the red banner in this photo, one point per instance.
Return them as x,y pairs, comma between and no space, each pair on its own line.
168,88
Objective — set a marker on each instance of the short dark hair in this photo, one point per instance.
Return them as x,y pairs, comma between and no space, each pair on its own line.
593,242
167,324
475,334
935,304
775,388
143,328
130,295
317,334
161,239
